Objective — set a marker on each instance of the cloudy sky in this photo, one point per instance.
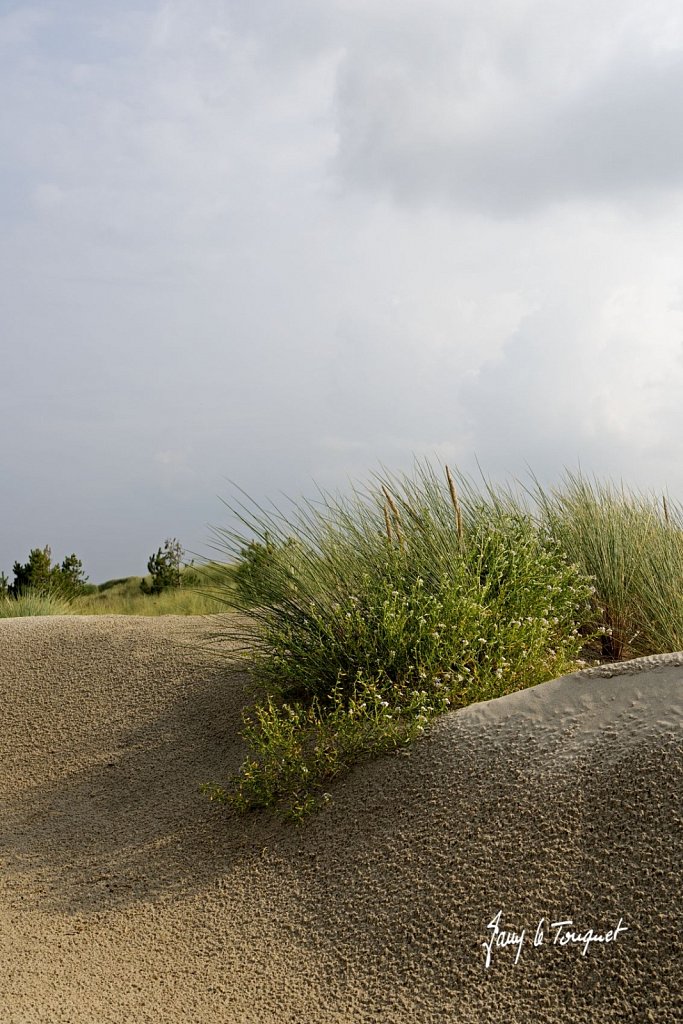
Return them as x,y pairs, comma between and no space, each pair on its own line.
281,243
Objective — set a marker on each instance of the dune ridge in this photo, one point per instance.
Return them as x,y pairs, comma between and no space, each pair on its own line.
125,897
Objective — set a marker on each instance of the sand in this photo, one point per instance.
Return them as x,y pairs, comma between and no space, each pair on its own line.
126,897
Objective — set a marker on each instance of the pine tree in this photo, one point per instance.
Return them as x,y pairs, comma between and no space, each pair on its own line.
164,567
41,575
70,576
36,574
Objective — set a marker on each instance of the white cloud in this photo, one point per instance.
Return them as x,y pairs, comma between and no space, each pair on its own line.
276,242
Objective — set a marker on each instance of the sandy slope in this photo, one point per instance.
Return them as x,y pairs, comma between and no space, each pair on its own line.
125,897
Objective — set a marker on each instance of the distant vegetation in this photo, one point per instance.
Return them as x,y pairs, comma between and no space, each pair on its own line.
39,575
367,617
32,602
166,569
171,588
125,597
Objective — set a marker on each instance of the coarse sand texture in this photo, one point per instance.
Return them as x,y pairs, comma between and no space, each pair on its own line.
127,897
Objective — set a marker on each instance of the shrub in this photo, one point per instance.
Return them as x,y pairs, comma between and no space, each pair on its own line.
385,610
70,579
37,574
40,576
165,568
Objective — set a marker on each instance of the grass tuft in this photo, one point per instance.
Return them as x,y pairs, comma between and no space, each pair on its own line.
358,643
32,602
633,553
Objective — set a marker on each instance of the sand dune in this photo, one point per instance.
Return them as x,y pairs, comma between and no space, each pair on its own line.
125,897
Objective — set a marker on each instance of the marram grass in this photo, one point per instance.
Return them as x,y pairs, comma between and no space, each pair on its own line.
365,617
631,545
124,597
33,603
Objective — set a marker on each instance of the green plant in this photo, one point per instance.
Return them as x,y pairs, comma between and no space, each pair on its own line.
70,578
296,748
36,574
191,576
632,548
195,596
31,602
165,568
39,575
410,598
108,584
260,574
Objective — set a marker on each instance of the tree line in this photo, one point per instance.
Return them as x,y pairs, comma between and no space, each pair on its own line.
67,579
39,574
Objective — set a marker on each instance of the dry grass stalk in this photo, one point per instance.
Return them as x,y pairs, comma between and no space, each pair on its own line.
666,508
394,508
387,520
456,503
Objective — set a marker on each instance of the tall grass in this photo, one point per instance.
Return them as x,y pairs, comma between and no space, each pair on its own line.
124,596
33,603
198,595
632,546
381,610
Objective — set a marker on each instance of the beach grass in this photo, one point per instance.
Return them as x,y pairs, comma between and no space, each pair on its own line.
33,603
631,544
195,596
364,617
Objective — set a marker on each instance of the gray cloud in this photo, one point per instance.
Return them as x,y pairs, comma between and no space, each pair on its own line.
478,116
283,243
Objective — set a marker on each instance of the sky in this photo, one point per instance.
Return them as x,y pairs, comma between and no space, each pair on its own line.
279,245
